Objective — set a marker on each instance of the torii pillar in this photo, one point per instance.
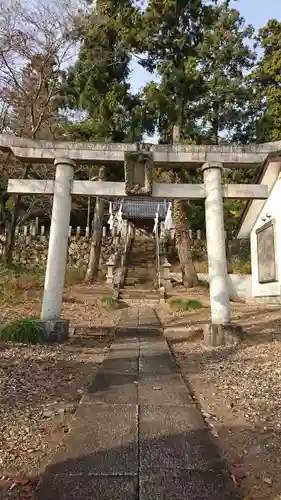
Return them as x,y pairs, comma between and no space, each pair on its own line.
54,327
220,331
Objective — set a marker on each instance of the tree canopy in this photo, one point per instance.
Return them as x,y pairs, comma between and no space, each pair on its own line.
65,70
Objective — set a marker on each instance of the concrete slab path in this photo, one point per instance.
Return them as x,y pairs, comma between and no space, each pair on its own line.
137,434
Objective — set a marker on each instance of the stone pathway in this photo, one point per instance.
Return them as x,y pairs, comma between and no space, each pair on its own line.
137,434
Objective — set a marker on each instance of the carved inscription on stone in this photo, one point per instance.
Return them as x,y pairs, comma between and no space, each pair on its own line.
138,173
266,253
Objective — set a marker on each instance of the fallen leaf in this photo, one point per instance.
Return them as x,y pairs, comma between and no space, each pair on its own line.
234,479
238,472
238,461
214,432
267,480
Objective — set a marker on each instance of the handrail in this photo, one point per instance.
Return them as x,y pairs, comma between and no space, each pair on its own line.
158,258
119,280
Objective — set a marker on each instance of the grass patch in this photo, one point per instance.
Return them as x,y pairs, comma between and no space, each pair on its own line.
109,302
242,267
74,276
26,331
184,305
18,283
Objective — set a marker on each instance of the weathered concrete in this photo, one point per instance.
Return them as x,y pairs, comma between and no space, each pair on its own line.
215,235
161,363
142,320
186,155
113,388
245,191
58,242
54,330
120,366
163,390
173,159
187,485
222,335
103,441
117,189
137,436
75,487
175,438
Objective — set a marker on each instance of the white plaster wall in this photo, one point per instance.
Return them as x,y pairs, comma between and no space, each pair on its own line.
239,286
269,178
271,207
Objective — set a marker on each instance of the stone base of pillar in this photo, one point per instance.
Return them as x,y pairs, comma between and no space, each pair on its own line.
56,330
222,335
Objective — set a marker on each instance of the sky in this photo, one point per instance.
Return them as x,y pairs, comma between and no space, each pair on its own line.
255,12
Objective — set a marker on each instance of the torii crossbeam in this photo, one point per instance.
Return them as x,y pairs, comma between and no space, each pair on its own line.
166,156
139,161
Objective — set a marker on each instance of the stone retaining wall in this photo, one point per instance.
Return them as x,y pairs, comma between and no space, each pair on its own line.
32,251
236,250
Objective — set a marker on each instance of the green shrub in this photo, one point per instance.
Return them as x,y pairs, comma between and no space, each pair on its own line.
74,275
184,305
109,302
240,267
26,331
16,283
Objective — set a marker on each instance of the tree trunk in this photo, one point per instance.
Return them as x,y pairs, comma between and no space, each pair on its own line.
89,211
182,225
216,123
183,243
96,239
10,236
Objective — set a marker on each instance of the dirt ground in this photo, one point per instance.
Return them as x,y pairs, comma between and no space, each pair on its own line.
81,306
238,389
41,386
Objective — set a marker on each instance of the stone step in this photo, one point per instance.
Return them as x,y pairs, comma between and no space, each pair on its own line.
147,297
144,297
95,290
133,284
137,262
139,292
141,269
142,278
145,283
142,302
141,259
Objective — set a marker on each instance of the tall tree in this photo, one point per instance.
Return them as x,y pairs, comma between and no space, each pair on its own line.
171,34
33,48
266,82
227,107
98,85
225,59
96,240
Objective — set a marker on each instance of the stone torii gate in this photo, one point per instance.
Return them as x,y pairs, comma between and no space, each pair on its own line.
138,160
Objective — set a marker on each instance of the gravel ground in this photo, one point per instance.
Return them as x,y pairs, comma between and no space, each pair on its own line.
80,305
40,388
239,391
238,388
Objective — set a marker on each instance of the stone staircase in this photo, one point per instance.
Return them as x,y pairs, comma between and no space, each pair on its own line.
141,277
